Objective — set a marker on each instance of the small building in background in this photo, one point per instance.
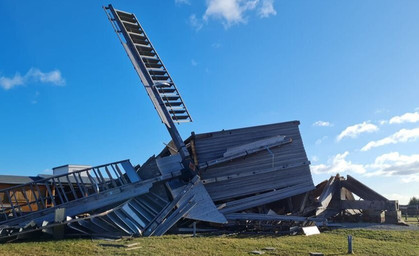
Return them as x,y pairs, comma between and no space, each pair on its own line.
70,168
26,193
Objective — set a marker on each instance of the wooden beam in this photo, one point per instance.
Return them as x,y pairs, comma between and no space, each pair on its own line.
245,150
363,205
362,190
266,217
265,198
327,194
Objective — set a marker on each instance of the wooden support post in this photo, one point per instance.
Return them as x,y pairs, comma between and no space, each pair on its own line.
58,231
290,205
350,250
304,202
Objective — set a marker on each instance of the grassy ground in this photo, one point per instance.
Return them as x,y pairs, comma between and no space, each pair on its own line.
366,242
412,221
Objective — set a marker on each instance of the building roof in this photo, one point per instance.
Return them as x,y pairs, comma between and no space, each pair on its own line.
81,166
15,179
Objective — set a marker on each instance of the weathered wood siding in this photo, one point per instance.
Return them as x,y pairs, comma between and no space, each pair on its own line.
255,173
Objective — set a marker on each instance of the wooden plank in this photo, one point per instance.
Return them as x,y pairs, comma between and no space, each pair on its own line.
304,202
158,219
327,195
205,209
169,164
248,185
241,151
71,188
266,217
193,149
363,205
110,177
264,198
369,205
254,172
254,146
42,199
26,198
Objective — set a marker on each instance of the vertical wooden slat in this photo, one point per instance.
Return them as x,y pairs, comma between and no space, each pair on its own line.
70,184
120,174
110,177
36,197
3,210
11,203
100,179
105,183
62,189
42,199
17,203
26,198
92,182
86,192
117,175
50,194
57,191
78,184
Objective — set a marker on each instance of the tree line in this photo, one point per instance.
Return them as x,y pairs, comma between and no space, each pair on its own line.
414,201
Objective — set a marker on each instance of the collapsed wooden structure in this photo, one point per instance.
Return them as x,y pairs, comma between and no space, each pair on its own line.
254,176
337,200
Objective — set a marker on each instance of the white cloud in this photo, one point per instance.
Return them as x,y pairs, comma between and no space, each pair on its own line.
392,164
315,158
354,130
322,123
338,164
8,83
387,165
229,11
195,22
404,135
267,9
411,178
396,164
183,2
33,75
405,118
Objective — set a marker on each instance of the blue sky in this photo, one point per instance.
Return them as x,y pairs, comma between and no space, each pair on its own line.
69,94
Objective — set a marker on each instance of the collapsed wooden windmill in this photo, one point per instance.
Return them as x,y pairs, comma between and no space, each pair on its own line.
252,174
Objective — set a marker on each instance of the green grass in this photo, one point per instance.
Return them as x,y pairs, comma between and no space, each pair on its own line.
413,221
366,242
